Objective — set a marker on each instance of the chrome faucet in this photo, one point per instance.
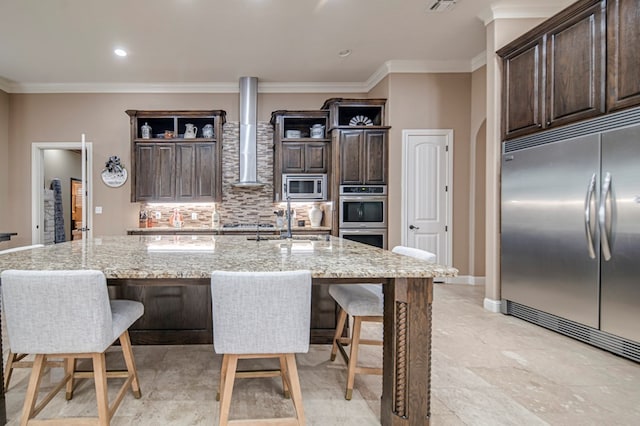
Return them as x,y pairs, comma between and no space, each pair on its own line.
288,234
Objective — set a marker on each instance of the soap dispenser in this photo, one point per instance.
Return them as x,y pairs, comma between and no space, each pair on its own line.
215,218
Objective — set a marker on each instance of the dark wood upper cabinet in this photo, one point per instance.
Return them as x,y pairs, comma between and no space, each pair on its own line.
305,157
555,74
623,54
576,67
317,157
351,157
375,155
165,172
195,171
363,157
175,168
186,166
144,166
155,172
523,102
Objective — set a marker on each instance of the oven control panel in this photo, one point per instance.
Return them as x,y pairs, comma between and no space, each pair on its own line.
363,189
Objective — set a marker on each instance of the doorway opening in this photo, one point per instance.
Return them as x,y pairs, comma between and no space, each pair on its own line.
38,185
75,208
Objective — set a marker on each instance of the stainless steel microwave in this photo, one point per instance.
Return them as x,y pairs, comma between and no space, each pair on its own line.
304,186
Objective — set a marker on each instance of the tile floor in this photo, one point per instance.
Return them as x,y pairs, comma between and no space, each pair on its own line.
487,369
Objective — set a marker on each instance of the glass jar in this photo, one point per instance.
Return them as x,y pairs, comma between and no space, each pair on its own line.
145,131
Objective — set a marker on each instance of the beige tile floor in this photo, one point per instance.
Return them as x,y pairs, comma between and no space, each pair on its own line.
488,369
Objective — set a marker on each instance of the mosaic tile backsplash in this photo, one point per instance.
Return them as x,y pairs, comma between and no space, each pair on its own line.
239,205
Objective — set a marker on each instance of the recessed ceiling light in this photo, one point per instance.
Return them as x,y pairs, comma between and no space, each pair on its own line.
120,52
344,53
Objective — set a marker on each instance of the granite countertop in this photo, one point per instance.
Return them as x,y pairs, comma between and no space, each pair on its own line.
196,256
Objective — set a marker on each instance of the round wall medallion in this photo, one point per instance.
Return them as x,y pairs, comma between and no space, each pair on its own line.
114,179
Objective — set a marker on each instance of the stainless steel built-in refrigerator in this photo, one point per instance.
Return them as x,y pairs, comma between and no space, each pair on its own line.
571,233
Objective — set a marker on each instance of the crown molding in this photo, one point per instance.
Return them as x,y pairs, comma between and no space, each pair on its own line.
417,67
5,85
389,67
303,87
377,76
125,88
479,61
503,11
180,87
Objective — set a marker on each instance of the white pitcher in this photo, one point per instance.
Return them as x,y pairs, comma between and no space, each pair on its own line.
190,132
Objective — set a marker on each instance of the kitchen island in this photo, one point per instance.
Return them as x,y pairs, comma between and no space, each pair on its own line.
157,261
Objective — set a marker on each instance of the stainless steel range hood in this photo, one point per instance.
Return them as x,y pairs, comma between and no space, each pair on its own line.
248,133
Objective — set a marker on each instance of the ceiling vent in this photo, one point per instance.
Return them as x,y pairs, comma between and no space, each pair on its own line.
441,5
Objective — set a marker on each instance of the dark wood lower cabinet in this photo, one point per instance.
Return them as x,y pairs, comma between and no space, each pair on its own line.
179,312
175,312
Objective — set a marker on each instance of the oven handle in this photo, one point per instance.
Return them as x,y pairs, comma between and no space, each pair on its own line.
347,198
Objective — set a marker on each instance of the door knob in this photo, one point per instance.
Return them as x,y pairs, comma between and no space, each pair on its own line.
413,227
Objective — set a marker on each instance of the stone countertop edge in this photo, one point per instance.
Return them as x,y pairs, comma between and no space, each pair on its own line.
165,257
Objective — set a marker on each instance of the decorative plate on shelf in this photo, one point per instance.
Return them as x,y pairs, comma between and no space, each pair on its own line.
360,120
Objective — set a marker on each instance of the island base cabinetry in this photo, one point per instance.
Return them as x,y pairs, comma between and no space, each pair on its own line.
179,312
175,312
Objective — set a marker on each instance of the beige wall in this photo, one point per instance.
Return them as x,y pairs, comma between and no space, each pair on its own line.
478,170
4,162
432,101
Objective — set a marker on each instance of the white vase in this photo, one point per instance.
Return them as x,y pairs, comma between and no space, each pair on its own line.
315,216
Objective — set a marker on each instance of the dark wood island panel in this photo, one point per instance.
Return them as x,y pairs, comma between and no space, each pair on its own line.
178,312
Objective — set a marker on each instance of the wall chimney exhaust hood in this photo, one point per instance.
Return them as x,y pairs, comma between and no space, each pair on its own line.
248,133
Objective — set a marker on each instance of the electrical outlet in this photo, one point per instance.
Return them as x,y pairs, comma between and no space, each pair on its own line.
194,216
158,215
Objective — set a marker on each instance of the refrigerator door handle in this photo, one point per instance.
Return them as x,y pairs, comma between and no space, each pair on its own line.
589,222
605,217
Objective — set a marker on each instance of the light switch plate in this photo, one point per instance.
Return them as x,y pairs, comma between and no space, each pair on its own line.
158,215
98,209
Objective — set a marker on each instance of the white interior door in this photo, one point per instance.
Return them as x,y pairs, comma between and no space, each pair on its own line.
427,191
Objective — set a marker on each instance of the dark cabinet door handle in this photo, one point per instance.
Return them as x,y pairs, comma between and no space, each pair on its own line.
413,227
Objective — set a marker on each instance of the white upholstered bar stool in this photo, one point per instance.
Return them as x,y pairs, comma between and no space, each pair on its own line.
364,303
261,315
68,314
18,360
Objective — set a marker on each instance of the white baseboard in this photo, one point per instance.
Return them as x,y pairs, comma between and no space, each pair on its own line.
492,305
462,279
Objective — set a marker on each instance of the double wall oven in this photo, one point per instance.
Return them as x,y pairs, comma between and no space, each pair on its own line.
363,214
